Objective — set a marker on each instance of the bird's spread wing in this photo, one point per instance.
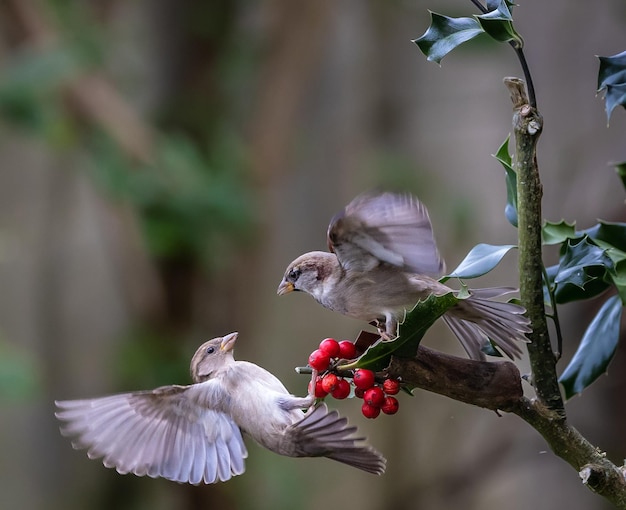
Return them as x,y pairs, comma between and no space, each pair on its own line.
171,432
385,227
325,433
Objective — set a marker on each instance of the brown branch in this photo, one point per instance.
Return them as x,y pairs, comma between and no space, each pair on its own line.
495,386
595,470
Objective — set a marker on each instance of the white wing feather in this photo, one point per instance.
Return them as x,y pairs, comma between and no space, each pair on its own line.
176,432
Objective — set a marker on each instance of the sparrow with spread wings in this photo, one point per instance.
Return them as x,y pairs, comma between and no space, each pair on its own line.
383,260
193,434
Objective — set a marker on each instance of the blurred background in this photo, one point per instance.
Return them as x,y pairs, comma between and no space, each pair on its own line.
161,162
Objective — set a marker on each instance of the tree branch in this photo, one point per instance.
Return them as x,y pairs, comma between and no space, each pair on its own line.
594,469
497,386
527,126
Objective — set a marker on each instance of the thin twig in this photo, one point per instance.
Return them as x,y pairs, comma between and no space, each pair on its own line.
480,6
532,100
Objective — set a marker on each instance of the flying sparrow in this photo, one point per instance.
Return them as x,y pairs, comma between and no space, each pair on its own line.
194,433
383,260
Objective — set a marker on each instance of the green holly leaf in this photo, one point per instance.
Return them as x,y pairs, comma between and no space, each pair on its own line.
612,80
611,233
498,23
596,349
446,33
503,156
481,259
615,96
557,233
410,333
612,70
583,271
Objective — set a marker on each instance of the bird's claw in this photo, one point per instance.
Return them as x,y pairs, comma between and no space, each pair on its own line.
382,331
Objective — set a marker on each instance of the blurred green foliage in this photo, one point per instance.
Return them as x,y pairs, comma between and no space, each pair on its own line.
19,379
191,205
151,358
195,198
30,87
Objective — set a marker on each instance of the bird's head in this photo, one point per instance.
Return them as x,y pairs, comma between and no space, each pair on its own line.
211,356
308,273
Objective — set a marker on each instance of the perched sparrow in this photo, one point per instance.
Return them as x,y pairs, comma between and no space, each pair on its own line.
383,259
193,433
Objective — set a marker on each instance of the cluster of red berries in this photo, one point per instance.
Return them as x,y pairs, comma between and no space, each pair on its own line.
376,397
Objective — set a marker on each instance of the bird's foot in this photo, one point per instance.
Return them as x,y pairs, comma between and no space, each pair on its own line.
383,331
386,336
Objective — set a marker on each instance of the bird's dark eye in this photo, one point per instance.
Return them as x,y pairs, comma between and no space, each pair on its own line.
294,274
210,350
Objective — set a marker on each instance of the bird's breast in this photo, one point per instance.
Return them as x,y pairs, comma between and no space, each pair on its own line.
369,295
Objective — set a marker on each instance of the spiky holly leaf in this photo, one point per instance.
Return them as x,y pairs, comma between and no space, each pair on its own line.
446,33
583,271
603,240
410,334
481,259
503,156
557,233
612,80
596,349
612,70
612,233
611,237
498,23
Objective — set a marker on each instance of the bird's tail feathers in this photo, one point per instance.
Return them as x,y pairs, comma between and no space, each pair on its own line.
324,433
479,319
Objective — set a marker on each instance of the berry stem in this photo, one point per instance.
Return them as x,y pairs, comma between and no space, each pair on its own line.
312,387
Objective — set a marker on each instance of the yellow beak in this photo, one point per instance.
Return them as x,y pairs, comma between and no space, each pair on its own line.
285,287
228,342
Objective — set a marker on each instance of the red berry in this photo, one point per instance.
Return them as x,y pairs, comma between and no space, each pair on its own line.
342,389
329,382
359,392
319,360
391,386
363,378
330,346
390,405
374,396
319,391
347,350
369,411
